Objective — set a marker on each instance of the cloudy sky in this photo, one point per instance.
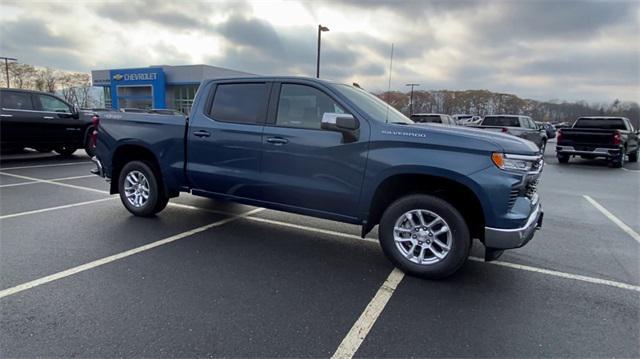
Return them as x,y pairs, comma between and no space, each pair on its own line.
566,50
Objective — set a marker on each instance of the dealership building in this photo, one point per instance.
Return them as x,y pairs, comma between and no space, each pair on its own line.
156,86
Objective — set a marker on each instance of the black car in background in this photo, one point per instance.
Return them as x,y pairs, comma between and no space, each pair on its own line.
44,122
548,127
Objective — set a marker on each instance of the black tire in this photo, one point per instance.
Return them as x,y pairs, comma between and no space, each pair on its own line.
563,159
460,241
633,156
66,151
618,162
157,199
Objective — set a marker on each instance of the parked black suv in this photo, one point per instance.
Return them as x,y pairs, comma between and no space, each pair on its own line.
44,122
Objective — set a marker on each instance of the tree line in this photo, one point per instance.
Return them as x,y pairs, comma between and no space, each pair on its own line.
484,102
75,87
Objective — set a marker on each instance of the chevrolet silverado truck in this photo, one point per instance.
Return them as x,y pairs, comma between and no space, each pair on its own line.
520,126
610,137
332,151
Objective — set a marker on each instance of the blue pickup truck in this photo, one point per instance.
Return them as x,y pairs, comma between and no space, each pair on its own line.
332,151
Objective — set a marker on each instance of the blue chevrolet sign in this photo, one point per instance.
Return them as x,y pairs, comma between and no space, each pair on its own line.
147,76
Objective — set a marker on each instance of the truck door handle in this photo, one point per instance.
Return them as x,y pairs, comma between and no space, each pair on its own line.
48,117
202,133
277,141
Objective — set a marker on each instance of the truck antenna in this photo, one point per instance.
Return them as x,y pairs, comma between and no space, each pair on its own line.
386,120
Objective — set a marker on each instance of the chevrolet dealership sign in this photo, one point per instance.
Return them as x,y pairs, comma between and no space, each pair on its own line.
142,76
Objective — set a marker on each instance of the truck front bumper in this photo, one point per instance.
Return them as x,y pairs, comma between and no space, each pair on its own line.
506,238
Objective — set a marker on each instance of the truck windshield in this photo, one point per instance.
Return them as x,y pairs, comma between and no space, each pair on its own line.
603,123
506,121
373,106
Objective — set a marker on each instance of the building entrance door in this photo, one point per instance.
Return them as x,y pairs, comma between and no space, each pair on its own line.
135,97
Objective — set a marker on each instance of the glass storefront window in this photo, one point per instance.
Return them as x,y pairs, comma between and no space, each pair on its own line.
107,97
184,95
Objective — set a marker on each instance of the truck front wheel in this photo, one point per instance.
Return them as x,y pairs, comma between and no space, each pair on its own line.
140,191
424,236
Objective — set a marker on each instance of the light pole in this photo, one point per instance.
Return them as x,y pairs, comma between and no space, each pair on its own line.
320,30
6,67
411,98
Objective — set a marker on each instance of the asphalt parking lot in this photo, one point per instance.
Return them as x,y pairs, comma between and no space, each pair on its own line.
81,277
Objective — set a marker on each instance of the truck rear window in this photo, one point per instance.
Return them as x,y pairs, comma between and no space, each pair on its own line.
426,118
240,103
603,123
506,121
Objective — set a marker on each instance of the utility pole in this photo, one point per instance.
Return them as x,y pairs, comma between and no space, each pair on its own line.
6,67
411,98
320,30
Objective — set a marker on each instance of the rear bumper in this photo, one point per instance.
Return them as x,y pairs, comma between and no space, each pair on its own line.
99,170
507,238
596,151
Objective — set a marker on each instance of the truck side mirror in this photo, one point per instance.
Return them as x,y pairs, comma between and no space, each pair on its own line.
344,123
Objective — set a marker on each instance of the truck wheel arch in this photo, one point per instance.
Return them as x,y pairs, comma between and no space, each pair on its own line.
133,152
458,194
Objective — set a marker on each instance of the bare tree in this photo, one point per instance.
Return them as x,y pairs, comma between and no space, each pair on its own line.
46,80
21,75
76,88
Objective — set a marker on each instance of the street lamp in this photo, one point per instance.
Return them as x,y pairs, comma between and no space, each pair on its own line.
411,98
320,30
6,67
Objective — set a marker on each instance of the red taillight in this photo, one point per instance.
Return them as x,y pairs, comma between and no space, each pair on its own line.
559,136
617,138
504,129
95,120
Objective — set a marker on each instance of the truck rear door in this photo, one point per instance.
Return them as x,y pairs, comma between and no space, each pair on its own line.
225,139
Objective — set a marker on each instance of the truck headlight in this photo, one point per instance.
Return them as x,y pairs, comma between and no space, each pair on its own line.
514,162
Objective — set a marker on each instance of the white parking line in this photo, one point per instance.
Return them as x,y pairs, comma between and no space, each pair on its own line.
613,218
56,208
561,274
115,257
52,182
49,165
475,259
39,181
367,319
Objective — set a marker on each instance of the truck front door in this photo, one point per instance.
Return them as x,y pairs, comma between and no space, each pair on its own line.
225,139
304,166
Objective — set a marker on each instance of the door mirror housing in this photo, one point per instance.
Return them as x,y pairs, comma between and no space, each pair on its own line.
344,123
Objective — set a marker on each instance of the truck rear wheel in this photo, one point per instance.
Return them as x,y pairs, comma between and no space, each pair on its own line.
633,156
424,236
140,190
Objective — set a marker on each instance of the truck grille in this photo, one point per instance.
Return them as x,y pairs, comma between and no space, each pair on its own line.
530,189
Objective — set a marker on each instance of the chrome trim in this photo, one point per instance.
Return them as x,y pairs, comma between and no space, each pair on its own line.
99,170
506,238
598,150
4,115
19,110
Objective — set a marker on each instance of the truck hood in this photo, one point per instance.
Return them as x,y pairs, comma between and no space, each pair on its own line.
508,143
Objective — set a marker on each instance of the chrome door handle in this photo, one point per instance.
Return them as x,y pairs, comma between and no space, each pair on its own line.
48,117
277,140
4,115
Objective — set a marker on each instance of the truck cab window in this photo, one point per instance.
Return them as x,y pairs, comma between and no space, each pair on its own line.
16,101
303,106
239,103
52,104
